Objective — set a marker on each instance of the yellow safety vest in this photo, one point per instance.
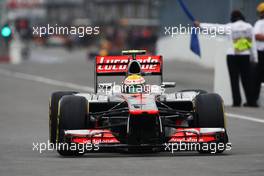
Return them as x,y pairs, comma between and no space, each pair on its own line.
242,44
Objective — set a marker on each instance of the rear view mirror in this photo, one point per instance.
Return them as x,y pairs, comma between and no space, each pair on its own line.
168,84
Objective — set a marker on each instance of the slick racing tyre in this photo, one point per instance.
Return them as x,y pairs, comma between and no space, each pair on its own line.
209,113
53,112
72,116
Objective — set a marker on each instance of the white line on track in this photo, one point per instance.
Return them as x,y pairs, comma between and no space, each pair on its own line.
70,85
44,80
237,116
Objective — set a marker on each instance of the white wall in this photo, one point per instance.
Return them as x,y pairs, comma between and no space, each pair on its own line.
213,50
178,47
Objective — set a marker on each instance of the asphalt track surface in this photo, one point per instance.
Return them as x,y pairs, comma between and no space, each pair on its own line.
24,93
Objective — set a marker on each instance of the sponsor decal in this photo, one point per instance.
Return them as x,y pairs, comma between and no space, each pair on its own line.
117,64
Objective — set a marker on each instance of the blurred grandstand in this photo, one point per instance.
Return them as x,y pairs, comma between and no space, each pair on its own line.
124,24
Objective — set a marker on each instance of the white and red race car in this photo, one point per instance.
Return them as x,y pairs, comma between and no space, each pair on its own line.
149,119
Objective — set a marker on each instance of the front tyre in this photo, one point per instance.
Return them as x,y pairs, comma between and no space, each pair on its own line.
209,113
53,113
72,116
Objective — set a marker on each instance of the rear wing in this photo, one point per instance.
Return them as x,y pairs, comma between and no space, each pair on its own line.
118,65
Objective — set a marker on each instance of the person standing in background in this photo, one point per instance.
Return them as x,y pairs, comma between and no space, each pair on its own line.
239,56
259,36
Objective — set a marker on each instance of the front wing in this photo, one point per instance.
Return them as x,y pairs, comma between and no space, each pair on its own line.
106,139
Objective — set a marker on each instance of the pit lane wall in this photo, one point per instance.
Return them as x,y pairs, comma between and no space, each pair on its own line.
213,51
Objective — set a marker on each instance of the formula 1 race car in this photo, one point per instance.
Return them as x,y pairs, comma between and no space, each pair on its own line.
134,116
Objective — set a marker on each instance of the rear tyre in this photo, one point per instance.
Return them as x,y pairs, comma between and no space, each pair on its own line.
72,116
53,113
209,113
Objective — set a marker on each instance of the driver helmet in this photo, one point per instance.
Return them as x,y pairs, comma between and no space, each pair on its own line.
134,84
